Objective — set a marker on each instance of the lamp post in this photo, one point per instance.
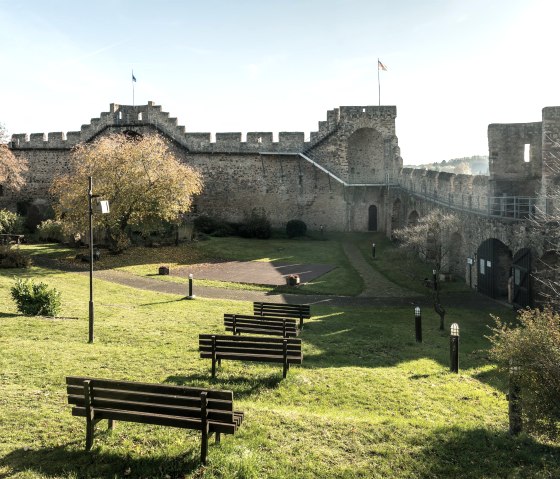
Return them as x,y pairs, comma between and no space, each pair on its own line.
373,250
434,272
454,348
191,295
418,324
104,208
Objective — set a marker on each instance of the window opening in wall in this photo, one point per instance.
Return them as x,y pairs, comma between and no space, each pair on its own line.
1,190
140,116
527,153
363,110
120,115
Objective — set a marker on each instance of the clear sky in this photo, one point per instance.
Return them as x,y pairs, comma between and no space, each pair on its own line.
454,66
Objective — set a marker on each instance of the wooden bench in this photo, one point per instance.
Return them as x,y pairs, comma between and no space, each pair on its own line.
283,310
207,410
8,238
250,348
239,323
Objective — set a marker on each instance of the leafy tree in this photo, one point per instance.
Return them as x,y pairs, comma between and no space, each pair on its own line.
12,169
530,350
429,238
141,178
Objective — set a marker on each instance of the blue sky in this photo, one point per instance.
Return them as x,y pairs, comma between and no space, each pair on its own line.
225,66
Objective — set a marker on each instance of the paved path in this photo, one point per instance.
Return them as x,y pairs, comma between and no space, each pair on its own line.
389,296
375,284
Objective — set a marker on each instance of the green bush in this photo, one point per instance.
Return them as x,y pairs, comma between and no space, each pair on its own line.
296,228
10,223
13,257
36,299
533,348
51,230
205,224
256,226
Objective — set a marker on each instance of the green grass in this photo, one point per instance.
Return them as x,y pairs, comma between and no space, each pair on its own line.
368,402
142,261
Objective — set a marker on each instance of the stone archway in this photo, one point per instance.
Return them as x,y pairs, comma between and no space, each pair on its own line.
494,262
413,218
396,221
456,266
372,218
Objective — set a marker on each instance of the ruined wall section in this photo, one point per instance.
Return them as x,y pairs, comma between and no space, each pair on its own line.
510,174
551,157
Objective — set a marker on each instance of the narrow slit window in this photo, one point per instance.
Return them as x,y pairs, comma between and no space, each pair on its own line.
140,116
527,153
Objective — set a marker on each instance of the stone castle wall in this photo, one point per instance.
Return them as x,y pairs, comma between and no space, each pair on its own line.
352,162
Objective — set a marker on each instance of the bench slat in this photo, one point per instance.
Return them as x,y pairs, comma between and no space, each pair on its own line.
156,419
150,388
192,412
151,398
263,358
249,339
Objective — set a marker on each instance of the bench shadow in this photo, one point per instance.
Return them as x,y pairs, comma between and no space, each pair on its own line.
71,460
243,386
458,453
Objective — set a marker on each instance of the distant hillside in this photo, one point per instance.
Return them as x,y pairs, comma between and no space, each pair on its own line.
470,165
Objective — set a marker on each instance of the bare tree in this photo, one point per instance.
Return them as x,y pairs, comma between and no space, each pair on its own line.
429,238
12,169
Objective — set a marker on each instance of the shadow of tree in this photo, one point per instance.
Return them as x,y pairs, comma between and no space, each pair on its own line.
458,453
71,460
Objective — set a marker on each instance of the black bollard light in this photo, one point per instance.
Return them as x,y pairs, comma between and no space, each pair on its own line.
514,401
454,348
373,250
191,295
418,324
435,279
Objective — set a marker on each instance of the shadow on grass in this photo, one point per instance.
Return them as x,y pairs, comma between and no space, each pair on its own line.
458,453
67,461
244,386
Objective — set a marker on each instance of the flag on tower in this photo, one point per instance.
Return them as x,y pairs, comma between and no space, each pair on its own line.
380,66
133,77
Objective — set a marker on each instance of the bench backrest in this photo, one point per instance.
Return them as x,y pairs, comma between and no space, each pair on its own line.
282,310
267,348
239,323
154,399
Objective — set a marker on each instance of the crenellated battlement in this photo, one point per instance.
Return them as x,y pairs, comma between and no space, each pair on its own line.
130,117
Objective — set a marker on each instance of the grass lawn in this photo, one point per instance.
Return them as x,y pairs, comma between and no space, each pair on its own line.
368,402
343,280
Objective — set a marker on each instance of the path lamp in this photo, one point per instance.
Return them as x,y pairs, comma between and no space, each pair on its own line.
418,324
191,295
103,207
454,348
373,250
434,272
514,400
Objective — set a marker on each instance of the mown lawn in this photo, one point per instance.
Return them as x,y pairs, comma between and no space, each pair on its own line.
368,402
142,261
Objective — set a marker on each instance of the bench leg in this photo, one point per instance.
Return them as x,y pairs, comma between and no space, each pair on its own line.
204,426
285,364
218,437
111,423
90,414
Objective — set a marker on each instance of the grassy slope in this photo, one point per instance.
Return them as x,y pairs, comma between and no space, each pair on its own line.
145,261
367,402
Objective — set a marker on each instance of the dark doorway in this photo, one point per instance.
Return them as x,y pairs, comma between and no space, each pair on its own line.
521,279
372,220
494,267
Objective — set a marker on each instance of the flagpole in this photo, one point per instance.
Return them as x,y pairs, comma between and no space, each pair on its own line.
132,87
378,84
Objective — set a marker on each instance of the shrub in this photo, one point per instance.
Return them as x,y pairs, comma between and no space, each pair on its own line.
13,258
533,346
36,299
51,230
10,223
205,224
296,228
256,226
